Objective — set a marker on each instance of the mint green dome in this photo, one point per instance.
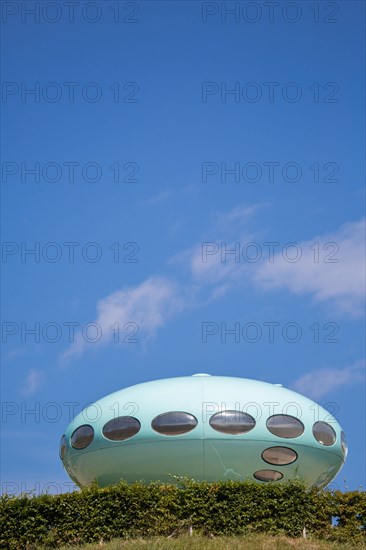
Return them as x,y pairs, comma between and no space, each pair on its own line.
203,427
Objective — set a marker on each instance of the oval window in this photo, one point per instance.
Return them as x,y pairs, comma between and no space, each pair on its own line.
279,455
82,437
324,433
174,423
120,428
344,444
267,475
284,425
232,422
62,447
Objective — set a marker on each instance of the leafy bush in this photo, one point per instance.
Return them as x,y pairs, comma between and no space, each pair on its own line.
135,510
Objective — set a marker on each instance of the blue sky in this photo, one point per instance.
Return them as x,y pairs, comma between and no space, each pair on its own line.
134,124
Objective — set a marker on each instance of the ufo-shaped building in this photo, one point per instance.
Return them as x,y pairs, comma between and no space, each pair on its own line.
203,427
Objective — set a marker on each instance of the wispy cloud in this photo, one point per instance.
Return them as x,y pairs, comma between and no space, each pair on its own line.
15,353
210,261
168,194
32,382
157,300
331,269
159,197
237,216
139,311
321,382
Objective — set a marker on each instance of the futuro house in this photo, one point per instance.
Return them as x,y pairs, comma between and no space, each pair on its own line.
203,427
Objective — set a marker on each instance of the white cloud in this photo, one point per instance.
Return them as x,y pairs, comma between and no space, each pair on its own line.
159,197
208,266
154,302
148,306
336,277
168,193
15,353
329,267
237,216
32,382
318,383
217,259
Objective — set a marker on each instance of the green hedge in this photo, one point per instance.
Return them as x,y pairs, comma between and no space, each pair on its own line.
131,510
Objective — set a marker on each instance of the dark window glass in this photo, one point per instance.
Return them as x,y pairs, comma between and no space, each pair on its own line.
121,428
232,422
267,475
284,425
82,437
279,455
62,447
174,423
344,444
324,433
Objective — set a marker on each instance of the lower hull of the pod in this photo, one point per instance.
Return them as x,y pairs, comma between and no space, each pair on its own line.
210,460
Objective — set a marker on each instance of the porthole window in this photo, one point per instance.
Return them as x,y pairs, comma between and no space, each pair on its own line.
82,437
174,423
62,447
324,433
344,444
268,475
120,428
279,455
284,425
232,422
